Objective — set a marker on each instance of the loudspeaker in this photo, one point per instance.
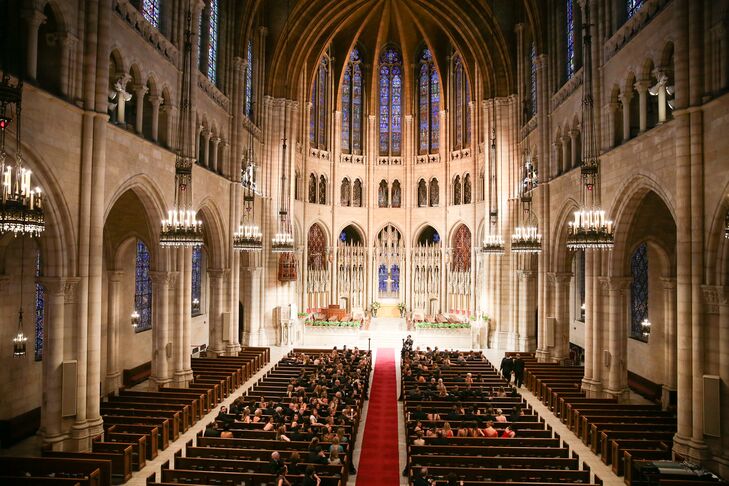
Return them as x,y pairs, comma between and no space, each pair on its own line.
712,409
69,380
606,358
550,325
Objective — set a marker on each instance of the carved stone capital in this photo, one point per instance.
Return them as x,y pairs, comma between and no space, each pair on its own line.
160,278
560,277
526,274
70,285
115,275
715,296
619,284
669,283
216,273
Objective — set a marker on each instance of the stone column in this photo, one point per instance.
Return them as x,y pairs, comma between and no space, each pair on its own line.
33,20
122,96
669,319
589,302
113,317
213,165
205,160
224,168
642,88
556,150
155,102
625,100
527,297
722,299
562,316
575,146
566,154
59,292
216,311
66,42
614,110
161,283
185,373
139,92
252,304
617,385
658,73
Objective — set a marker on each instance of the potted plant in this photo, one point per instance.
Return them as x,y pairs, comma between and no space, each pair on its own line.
375,305
401,307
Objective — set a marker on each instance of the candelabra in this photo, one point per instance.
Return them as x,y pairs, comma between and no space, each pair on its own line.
590,230
645,328
135,318
282,243
526,239
248,238
493,245
181,229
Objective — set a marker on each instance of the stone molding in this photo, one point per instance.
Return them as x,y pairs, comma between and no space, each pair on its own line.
567,89
352,159
457,154
422,159
632,26
213,92
715,296
132,16
559,277
619,284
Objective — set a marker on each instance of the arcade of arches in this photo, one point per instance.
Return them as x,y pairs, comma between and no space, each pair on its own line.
408,127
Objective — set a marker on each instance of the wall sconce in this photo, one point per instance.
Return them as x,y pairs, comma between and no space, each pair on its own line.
726,225
582,310
645,327
135,318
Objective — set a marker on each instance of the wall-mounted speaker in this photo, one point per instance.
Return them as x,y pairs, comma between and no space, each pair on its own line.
606,358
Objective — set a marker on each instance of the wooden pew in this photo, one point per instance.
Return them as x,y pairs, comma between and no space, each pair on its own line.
85,472
151,434
121,463
162,425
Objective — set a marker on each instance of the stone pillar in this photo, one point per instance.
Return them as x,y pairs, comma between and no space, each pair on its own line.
658,73
224,167
184,374
722,299
155,102
139,92
589,302
205,160
114,316
625,100
122,96
617,383
614,113
566,154
67,42
59,292
561,348
526,340
215,312
33,20
669,318
642,88
252,304
213,165
161,283
575,146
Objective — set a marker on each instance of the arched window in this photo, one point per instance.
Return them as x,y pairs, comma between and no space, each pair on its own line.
571,61
429,103
211,29
312,188
197,256
357,194
467,189
150,11
322,190
461,259
352,92
143,288
639,291
249,79
382,195
532,79
632,6
319,102
396,194
390,102
434,193
422,194
316,249
462,99
346,192
40,309
457,190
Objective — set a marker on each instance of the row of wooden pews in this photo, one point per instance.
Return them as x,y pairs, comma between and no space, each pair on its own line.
619,433
245,458
535,455
139,424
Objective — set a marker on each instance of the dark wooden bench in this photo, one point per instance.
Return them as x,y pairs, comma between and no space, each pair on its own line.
645,387
121,462
20,427
85,472
138,374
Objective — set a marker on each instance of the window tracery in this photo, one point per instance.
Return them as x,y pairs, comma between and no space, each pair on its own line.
390,117
429,104
143,287
352,93
639,290
196,291
319,106
462,100
40,309
396,198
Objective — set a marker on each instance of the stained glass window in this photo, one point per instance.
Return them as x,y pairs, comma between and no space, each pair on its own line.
40,308
639,290
382,195
422,194
390,102
319,101
150,11
396,194
461,122
143,288
533,80
352,90
249,79
434,193
632,6
428,103
322,190
312,188
581,282
570,33
357,194
382,278
197,255
316,248
395,276
345,190
457,190
461,259
213,41
467,189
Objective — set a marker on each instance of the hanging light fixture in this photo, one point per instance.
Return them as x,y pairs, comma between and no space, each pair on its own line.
182,228
249,236
21,205
20,340
645,328
726,225
591,229
283,240
493,243
134,318
526,238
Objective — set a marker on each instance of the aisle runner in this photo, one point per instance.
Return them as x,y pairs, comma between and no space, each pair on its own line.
378,462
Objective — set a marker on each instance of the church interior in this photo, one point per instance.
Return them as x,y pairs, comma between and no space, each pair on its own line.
258,242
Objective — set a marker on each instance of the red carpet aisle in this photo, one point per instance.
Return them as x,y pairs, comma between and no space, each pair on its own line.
378,462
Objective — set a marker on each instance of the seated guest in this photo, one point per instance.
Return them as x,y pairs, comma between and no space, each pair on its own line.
269,425
419,440
490,431
516,414
419,414
453,480
500,417
421,477
447,431
211,430
310,477
334,459
281,478
277,464
226,433
295,466
508,433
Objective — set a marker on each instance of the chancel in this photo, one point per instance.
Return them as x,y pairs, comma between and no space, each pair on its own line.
364,242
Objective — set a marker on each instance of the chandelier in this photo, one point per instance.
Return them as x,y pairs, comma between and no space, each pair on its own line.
249,236
591,228
20,340
726,225
493,243
182,228
526,238
21,205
